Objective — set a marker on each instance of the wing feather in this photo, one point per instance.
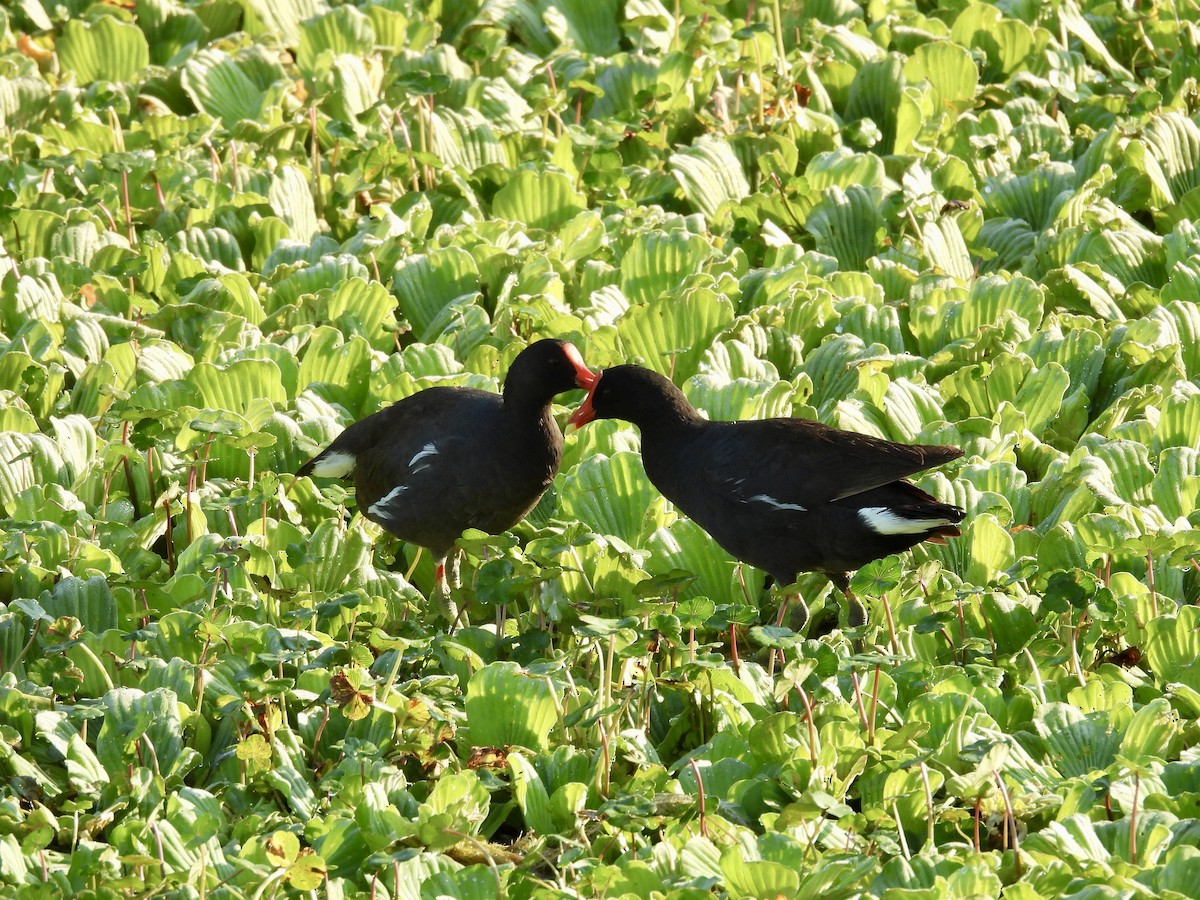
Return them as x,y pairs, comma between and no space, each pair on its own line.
782,463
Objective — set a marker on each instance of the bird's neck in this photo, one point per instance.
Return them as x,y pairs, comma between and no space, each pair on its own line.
523,401
673,419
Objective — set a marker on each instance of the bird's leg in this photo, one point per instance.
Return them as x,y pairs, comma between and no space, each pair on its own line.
440,595
439,574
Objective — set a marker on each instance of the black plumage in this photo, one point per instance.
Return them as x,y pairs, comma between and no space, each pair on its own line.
451,458
784,495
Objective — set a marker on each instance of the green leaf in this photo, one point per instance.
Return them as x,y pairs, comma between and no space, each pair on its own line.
946,249
656,264
685,545
425,285
234,88
508,706
671,334
1078,744
1072,20
757,878
239,386
1172,647
950,69
845,224
591,25
610,494
531,795
710,175
344,29
538,199
878,93
104,50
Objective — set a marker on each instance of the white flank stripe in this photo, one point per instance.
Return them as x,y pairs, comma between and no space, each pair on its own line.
334,465
882,520
778,504
379,507
427,450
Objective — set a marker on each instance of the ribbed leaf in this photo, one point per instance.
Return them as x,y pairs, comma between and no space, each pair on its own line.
1130,255
77,442
757,878
1182,317
1035,197
424,285
1172,160
29,298
104,50
1084,287
539,199
81,239
581,237
1150,731
670,334
845,224
341,30
1008,243
610,494
344,365
22,101
1129,463
508,706
911,408
685,545
845,168
1175,490
992,297
353,87
946,249
710,175
656,263
26,460
328,273
1072,20
363,308
985,386
530,791
236,386
1040,397
89,601
131,714
1172,647
877,93
234,88
728,399
590,24
1078,744
465,139
1007,42
950,70
291,197
213,245
281,18
622,82
988,548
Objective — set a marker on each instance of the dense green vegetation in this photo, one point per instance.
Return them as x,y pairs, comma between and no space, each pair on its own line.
231,227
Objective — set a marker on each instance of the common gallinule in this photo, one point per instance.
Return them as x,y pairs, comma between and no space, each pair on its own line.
784,495
450,458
